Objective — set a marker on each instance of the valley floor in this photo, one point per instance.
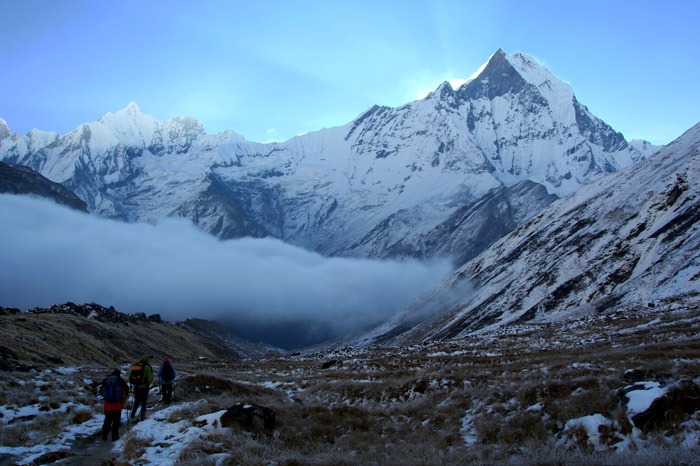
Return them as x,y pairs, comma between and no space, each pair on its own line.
618,388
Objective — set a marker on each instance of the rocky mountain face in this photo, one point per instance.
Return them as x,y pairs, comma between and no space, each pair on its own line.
18,179
442,176
627,243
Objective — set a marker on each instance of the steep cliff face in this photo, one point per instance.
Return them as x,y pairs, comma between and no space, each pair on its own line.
393,182
465,233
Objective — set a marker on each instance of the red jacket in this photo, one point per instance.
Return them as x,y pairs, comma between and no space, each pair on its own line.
117,405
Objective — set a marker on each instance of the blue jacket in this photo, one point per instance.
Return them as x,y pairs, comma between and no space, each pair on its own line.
166,374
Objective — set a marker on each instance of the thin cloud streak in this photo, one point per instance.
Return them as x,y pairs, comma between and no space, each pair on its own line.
50,254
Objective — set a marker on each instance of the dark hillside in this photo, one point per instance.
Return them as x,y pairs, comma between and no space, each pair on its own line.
92,334
18,179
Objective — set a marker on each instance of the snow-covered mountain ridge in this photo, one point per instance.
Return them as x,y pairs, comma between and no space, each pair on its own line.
627,243
393,182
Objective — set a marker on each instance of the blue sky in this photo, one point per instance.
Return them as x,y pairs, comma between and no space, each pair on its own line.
272,70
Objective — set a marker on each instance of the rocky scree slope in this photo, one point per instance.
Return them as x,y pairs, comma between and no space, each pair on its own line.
405,181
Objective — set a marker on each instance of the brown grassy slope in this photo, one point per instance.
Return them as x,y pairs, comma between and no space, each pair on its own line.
41,339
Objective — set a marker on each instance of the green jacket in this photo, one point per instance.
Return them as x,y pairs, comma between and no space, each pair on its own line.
147,373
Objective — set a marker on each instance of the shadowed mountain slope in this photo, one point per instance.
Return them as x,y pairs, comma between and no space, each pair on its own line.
18,179
626,242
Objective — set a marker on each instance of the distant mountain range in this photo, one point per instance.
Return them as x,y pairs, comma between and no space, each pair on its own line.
445,176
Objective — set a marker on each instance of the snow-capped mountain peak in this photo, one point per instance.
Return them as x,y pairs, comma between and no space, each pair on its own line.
511,74
552,87
131,127
4,130
132,109
497,77
130,113
127,126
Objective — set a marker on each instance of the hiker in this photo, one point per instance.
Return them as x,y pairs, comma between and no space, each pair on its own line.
115,392
166,375
141,377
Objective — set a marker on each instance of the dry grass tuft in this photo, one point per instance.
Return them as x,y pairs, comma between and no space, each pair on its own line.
135,446
82,415
196,386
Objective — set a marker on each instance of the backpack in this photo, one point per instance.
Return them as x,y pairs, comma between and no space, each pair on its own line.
137,376
112,389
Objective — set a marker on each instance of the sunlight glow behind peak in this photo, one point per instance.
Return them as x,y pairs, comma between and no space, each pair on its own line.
478,72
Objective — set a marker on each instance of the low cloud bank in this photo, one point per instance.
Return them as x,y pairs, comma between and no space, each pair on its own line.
50,254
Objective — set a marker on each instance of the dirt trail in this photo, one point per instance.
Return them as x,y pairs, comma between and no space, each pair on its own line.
85,450
93,451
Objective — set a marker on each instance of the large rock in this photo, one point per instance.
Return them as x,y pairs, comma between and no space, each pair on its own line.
251,418
665,405
681,399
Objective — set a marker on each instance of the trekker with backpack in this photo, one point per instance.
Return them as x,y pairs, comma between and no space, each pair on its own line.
115,392
141,377
166,375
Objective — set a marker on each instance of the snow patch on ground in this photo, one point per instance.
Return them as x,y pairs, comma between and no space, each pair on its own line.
591,425
169,439
643,396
